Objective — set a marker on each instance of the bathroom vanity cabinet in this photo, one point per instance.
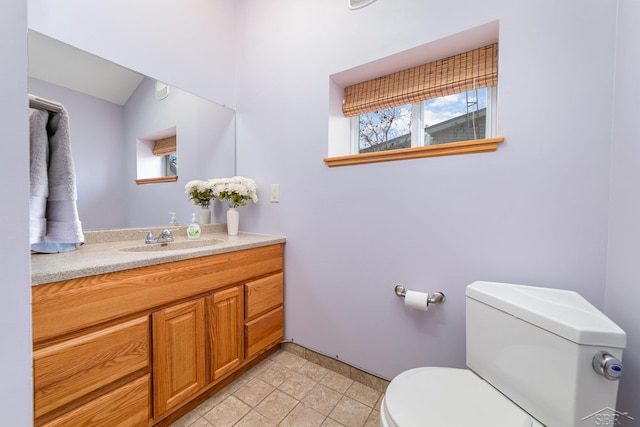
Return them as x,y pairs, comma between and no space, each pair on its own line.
143,346
180,344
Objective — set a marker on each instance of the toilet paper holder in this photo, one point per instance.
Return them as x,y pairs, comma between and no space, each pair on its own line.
434,298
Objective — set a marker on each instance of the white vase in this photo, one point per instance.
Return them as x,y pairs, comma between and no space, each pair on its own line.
205,216
233,220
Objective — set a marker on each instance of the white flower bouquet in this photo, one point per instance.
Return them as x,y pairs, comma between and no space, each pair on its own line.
236,190
201,192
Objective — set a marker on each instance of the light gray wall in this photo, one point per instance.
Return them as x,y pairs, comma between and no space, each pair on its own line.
623,272
534,212
15,302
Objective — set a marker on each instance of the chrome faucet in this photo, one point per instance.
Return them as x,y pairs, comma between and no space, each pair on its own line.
165,236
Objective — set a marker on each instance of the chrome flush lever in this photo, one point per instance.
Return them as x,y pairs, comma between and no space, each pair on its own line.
607,365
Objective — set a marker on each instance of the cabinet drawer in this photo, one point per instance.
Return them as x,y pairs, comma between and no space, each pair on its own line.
263,295
264,331
68,370
127,406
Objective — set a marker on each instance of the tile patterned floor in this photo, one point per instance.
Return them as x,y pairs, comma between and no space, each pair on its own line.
288,390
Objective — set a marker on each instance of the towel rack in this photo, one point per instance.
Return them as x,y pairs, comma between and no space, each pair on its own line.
44,104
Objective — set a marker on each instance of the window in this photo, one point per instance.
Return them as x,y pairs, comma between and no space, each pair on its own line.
460,117
452,118
171,165
439,108
385,129
156,157
165,148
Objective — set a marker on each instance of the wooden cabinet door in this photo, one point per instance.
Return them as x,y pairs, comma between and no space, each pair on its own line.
226,316
178,354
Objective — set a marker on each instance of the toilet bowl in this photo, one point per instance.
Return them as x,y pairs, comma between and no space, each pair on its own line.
448,397
536,357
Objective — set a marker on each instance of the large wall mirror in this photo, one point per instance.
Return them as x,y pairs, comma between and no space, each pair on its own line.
129,129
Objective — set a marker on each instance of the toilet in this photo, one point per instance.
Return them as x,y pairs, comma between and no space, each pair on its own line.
536,357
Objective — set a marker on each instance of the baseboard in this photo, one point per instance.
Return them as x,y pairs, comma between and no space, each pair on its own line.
335,365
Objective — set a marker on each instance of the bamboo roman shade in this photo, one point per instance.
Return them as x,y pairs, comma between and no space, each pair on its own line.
164,146
475,69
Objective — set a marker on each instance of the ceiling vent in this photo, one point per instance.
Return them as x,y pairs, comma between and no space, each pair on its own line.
357,4
162,90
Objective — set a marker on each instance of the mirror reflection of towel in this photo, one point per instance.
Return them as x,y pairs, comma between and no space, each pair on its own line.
39,185
61,222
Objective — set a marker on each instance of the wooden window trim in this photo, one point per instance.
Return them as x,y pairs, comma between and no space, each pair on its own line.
447,149
157,180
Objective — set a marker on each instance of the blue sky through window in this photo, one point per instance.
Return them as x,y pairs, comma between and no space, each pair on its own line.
441,109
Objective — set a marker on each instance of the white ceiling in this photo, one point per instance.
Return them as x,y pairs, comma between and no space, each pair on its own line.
59,63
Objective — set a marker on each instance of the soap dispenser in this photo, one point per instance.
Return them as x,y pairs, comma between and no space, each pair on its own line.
173,221
193,230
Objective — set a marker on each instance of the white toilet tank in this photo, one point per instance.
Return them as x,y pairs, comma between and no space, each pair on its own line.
536,346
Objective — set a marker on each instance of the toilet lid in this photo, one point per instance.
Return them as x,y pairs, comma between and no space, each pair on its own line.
449,397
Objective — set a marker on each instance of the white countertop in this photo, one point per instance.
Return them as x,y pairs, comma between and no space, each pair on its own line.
109,251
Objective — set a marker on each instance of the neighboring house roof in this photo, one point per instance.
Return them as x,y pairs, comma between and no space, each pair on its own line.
460,128
403,141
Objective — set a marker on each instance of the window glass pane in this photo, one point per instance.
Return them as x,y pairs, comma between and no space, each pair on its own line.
459,117
171,164
387,129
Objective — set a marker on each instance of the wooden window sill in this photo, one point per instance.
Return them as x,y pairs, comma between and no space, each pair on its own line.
156,180
448,149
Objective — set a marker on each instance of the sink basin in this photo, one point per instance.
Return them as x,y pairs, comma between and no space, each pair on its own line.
173,246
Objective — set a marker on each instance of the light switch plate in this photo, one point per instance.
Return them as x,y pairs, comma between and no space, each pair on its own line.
275,193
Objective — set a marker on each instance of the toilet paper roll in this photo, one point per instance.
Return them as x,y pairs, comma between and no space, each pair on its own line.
417,300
